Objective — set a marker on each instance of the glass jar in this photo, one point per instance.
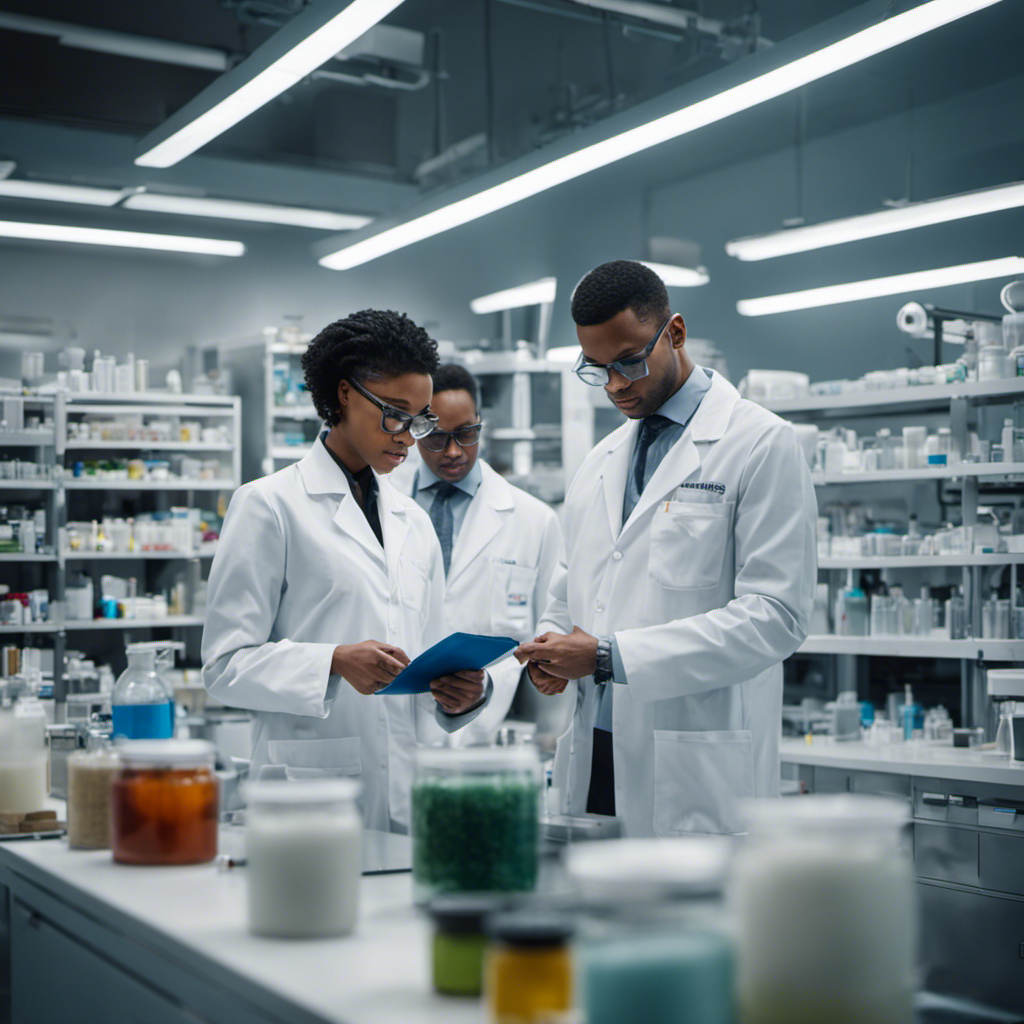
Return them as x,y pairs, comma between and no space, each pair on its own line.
823,895
528,968
90,781
653,943
141,703
304,842
164,803
475,819
459,942
23,757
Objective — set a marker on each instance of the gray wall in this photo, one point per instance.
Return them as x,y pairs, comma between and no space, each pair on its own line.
153,304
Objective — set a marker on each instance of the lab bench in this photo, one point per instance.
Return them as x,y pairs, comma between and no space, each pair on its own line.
967,833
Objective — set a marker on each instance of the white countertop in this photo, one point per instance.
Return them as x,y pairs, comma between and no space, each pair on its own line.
915,758
197,915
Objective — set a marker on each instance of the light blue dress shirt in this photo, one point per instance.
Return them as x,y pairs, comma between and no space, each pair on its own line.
424,492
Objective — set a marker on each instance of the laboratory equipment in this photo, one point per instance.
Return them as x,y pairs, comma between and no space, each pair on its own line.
911,716
459,943
823,893
851,615
304,844
23,756
90,783
164,803
475,819
142,704
1006,687
1012,297
528,967
845,721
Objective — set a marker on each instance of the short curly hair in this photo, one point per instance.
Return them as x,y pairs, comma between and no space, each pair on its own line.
621,284
369,345
453,377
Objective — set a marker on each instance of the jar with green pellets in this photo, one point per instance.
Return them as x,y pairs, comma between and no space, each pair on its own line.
475,820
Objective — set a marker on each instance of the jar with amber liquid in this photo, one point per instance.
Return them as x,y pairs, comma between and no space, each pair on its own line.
164,803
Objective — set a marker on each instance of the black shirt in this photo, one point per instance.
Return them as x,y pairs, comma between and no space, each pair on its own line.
364,483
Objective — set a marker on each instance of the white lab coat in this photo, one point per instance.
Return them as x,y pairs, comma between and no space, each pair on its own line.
707,590
508,546
297,572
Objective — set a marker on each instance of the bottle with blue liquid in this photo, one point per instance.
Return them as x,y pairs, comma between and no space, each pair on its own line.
142,704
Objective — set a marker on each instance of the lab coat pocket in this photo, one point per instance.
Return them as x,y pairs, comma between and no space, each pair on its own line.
688,543
414,577
698,778
314,759
511,597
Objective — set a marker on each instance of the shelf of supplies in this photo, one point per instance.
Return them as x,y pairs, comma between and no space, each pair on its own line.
289,452
26,485
295,412
132,556
18,556
26,439
85,484
916,647
160,400
934,395
148,446
922,561
169,621
994,470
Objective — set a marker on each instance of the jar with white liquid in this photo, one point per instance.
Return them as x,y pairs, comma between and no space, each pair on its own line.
24,759
823,898
304,844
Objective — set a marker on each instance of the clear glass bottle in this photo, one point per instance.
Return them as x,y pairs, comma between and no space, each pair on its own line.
141,703
475,818
823,896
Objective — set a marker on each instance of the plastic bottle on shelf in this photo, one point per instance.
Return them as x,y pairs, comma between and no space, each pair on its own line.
851,609
1007,439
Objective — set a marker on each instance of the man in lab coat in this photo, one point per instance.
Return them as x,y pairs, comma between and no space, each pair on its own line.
688,578
500,545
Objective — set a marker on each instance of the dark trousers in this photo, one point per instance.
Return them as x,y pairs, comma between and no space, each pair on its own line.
601,798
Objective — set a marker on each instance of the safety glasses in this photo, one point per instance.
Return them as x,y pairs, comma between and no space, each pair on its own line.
465,437
395,421
632,368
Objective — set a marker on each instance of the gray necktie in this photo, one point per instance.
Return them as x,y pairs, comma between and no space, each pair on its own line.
441,517
650,429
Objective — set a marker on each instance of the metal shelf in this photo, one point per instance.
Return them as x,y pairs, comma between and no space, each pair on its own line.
279,348
27,439
132,556
285,412
993,470
289,452
27,485
80,484
935,395
149,446
169,621
922,561
34,627
142,398
916,647
15,556
203,410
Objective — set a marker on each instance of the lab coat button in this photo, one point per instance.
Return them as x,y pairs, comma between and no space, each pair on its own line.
617,555
599,607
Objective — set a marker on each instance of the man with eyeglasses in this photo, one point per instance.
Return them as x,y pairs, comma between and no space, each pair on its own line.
688,578
499,544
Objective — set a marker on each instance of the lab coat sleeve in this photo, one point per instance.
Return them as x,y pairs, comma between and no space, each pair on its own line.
767,619
242,667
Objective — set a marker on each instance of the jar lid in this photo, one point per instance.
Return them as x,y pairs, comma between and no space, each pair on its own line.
465,914
175,753
301,791
827,813
530,928
478,759
627,870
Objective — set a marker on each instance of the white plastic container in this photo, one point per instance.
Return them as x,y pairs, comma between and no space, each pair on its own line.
913,447
823,894
23,757
304,844
991,362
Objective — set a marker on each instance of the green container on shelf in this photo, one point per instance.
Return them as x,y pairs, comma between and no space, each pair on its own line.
475,820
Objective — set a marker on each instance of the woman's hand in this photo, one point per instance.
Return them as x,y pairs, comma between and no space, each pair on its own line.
368,666
460,691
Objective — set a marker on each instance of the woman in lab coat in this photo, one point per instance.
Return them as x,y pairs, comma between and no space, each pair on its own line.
327,581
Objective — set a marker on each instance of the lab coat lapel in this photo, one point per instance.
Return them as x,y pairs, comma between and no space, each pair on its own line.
615,470
394,523
679,462
485,517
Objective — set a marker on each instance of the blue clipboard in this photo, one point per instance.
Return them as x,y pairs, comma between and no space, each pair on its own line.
453,653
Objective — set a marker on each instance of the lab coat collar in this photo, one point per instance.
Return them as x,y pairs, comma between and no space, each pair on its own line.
485,517
712,417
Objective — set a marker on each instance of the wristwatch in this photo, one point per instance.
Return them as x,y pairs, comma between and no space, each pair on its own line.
605,670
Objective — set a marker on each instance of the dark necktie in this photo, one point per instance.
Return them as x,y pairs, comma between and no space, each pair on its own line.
650,429
441,517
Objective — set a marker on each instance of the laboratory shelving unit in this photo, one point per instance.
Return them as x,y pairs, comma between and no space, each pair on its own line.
59,451
961,402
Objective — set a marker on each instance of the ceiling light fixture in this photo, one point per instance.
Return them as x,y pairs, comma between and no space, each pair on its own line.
842,54
535,293
854,290
231,209
871,225
298,48
679,277
57,193
123,239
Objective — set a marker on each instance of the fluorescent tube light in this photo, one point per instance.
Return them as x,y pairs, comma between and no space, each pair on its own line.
299,48
871,225
842,54
57,193
230,209
125,239
679,277
835,293
533,294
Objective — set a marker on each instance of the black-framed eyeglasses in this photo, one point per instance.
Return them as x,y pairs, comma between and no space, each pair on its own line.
465,437
632,368
395,421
